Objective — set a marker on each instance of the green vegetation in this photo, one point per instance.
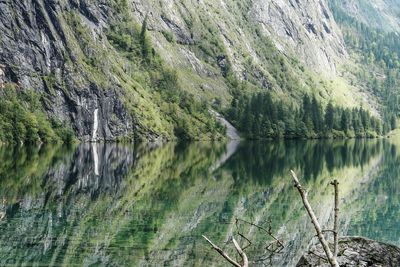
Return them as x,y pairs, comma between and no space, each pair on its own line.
169,36
379,63
174,102
188,115
22,119
260,117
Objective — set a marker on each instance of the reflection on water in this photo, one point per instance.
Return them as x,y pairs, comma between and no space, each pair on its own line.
125,205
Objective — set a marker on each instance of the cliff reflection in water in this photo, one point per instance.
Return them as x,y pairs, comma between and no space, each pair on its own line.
120,205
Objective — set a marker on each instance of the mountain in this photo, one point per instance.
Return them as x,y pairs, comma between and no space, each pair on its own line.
132,69
383,14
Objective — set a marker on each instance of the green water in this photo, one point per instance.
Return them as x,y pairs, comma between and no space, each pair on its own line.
121,205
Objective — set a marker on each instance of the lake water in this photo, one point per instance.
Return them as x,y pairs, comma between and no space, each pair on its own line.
148,205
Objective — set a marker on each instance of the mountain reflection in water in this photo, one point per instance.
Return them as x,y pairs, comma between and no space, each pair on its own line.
148,205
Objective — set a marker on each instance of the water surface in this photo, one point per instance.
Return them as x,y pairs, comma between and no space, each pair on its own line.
148,205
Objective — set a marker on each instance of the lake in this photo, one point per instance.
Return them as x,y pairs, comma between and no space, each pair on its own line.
148,205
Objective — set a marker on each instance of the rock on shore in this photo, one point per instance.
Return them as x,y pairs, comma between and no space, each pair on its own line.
355,251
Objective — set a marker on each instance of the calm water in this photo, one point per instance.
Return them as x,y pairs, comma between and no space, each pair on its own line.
120,205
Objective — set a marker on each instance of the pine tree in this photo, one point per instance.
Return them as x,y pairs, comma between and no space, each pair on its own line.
317,117
329,116
145,42
307,115
345,121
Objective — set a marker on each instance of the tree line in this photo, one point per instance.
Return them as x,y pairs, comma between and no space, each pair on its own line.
259,116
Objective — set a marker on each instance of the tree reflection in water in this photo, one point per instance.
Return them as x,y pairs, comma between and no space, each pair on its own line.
125,205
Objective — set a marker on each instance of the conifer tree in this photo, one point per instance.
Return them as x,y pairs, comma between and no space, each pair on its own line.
329,116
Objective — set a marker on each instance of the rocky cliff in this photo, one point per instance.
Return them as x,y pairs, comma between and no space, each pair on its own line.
39,51
81,58
381,14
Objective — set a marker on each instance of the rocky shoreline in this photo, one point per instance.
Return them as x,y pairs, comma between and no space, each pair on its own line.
355,251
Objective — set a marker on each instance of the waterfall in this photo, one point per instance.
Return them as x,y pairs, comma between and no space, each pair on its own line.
95,125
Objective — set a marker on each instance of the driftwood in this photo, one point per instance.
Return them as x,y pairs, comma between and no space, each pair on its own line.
303,193
245,261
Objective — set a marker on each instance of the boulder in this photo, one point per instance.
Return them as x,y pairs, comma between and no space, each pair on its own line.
355,251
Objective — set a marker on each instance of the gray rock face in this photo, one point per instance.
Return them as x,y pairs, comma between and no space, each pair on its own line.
34,48
2,78
303,28
381,14
356,251
307,27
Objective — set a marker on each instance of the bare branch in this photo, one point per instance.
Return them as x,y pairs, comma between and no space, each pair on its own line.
243,255
335,184
274,250
245,238
328,231
222,253
332,260
269,231
321,257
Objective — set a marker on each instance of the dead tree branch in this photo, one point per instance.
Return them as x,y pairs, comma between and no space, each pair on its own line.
268,231
245,260
245,238
335,183
226,257
321,257
332,260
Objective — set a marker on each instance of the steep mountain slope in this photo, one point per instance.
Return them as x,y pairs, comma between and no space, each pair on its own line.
152,69
93,68
375,58
383,14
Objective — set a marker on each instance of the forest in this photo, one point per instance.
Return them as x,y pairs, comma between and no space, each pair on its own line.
378,53
262,116
259,116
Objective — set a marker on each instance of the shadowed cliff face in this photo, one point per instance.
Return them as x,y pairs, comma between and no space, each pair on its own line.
38,51
117,205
